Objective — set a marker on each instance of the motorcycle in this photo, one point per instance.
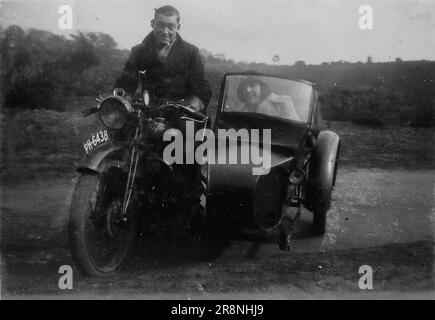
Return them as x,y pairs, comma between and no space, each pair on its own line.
125,184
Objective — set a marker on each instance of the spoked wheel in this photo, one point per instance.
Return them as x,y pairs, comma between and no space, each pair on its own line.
101,237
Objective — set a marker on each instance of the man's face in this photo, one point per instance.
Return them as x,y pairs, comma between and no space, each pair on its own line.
253,93
165,28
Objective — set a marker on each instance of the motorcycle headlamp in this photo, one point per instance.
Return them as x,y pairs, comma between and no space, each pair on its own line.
296,176
114,111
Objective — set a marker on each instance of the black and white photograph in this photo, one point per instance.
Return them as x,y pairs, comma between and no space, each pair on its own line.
217,150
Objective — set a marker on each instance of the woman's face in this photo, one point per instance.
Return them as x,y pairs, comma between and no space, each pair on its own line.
253,93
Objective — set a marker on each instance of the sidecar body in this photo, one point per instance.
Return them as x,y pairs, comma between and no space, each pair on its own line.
270,152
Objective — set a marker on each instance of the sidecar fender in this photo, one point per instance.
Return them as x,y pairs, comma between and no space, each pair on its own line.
322,172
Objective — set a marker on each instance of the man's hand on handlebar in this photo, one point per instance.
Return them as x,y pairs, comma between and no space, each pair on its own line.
196,103
191,112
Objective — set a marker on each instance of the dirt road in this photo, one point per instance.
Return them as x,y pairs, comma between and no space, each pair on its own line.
384,219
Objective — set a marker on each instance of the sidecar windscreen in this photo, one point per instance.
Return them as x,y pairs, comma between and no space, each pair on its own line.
277,97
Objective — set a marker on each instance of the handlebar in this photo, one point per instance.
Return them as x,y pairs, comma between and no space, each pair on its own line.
139,104
186,109
193,113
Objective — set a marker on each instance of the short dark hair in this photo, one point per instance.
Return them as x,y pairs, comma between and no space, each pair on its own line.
167,11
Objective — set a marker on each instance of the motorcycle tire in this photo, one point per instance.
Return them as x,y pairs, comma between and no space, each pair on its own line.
80,225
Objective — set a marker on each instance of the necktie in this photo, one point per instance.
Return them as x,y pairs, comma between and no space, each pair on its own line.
163,52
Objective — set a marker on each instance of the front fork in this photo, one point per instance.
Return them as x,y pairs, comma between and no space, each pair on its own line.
134,159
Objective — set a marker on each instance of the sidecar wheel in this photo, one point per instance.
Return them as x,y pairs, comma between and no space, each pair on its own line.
321,179
100,242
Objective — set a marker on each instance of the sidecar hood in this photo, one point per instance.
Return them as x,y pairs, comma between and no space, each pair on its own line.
233,188
226,178
236,189
242,174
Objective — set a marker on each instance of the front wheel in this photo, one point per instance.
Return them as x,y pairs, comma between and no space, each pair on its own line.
101,237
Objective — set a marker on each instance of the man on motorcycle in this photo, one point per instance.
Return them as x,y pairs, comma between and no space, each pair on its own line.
174,67
174,72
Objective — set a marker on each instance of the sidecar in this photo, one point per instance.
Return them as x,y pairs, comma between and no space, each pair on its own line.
270,154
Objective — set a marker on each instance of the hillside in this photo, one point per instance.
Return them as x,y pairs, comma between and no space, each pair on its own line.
43,70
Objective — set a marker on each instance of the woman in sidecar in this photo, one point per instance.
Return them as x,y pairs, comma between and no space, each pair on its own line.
256,96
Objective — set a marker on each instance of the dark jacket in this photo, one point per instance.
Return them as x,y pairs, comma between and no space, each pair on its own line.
180,77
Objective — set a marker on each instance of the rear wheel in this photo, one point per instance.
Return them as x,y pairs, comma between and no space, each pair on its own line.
101,237
319,222
217,233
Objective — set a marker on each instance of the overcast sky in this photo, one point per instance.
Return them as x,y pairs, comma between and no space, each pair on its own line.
255,30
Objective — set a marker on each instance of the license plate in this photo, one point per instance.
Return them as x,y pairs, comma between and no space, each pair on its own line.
95,140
